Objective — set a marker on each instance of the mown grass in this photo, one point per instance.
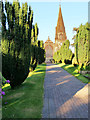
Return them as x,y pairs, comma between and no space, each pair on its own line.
87,75
25,101
73,70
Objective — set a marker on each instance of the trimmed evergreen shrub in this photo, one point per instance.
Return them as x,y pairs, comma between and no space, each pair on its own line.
64,55
82,45
20,50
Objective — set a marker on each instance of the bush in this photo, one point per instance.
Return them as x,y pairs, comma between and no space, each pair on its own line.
16,42
82,45
64,55
16,70
19,43
60,61
68,62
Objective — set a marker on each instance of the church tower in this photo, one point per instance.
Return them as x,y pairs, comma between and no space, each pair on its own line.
60,35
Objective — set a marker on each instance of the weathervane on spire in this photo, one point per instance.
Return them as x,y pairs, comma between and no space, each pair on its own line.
60,3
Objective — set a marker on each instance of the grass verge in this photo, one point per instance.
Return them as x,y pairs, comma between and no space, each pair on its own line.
25,101
73,70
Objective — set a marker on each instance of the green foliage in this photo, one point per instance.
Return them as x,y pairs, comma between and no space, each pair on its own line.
41,56
63,55
82,45
19,42
74,61
84,66
37,50
27,98
3,79
80,67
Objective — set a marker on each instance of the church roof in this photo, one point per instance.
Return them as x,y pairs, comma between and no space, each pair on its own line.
48,41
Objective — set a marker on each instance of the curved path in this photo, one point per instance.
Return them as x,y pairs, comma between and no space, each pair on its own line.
64,95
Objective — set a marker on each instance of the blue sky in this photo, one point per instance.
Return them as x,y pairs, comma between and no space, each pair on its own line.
46,15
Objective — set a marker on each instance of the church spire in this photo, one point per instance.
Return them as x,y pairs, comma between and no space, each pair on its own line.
60,24
60,3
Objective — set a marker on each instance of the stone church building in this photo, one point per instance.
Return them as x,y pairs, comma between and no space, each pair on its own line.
60,37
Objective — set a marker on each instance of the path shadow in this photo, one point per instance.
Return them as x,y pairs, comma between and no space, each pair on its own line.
61,87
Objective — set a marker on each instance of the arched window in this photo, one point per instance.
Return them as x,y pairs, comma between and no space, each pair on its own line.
49,51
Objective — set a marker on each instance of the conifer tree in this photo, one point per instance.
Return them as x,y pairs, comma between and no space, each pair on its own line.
19,42
16,56
64,54
82,45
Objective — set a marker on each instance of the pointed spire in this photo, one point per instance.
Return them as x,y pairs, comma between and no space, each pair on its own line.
60,24
60,3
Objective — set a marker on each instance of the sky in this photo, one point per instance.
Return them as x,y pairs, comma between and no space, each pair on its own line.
46,16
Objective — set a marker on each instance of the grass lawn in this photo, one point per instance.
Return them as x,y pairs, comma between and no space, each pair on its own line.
87,75
25,101
73,70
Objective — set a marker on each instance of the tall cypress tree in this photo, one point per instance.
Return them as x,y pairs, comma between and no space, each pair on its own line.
64,54
20,49
82,45
17,58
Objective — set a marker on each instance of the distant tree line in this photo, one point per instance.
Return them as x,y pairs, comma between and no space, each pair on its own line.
81,57
21,51
64,54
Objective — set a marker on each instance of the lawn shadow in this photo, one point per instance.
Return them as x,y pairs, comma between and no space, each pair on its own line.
43,64
30,90
40,71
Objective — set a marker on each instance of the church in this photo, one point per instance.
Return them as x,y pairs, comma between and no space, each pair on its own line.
60,37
